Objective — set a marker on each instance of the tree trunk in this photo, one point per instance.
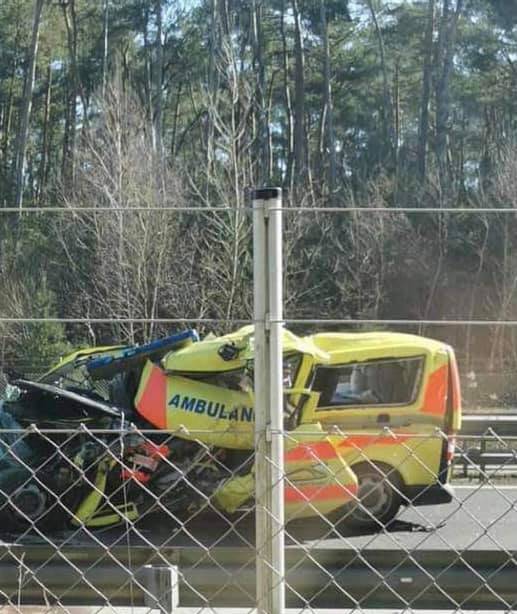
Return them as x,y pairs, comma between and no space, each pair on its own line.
423,129
329,117
175,120
299,98
105,47
148,85
397,119
7,120
27,103
158,81
289,119
386,110
446,46
70,18
263,155
45,145
66,134
212,91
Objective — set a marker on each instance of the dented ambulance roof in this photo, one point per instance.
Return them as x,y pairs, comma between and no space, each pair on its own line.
339,346
231,352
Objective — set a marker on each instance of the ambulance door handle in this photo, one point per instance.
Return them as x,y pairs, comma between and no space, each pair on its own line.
383,419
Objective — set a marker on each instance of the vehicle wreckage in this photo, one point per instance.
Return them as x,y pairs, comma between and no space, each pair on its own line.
112,434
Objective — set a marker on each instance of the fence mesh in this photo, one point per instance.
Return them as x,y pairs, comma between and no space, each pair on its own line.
123,516
98,511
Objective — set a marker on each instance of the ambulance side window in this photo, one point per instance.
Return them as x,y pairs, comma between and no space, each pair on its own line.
379,382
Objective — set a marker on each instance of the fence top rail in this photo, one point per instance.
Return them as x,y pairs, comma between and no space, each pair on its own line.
322,321
401,322
245,209
29,320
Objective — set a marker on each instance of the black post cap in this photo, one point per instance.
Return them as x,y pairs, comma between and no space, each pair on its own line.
266,193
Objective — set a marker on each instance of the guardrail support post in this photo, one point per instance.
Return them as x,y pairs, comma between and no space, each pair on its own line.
268,372
161,584
482,457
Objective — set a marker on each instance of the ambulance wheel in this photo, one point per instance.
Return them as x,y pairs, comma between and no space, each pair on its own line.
379,497
23,503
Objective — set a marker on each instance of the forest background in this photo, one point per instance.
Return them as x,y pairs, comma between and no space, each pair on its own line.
125,106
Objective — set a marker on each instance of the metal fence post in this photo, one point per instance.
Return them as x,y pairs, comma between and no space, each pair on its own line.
269,444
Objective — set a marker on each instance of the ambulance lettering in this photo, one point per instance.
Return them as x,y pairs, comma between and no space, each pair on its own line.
211,408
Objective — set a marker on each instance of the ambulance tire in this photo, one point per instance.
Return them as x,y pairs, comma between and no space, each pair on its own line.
23,503
379,494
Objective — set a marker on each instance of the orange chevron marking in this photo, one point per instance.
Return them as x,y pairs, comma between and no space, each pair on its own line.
153,402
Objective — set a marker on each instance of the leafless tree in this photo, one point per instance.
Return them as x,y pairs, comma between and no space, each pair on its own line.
127,259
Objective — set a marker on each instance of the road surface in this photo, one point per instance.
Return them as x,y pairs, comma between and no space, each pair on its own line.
481,518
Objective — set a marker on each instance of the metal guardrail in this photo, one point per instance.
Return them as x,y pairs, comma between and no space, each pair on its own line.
373,578
485,464
84,577
504,425
488,429
476,456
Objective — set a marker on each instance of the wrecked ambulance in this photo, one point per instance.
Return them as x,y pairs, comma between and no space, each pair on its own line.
370,421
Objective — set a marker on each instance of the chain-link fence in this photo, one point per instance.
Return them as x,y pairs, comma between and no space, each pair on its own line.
121,516
371,493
